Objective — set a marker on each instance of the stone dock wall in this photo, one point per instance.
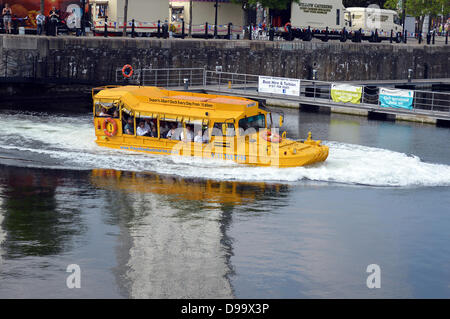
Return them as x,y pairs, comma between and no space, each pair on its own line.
94,60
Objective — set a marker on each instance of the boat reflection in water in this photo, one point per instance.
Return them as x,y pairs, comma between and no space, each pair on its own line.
173,231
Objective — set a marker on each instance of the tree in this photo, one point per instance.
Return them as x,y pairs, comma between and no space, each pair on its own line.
125,13
421,8
190,18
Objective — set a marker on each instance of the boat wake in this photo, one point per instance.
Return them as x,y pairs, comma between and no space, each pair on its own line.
68,143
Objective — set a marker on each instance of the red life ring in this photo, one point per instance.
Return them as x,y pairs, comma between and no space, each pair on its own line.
285,26
267,135
130,73
105,129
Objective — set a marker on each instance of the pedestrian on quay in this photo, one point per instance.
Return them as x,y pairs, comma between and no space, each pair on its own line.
40,21
53,16
7,18
165,29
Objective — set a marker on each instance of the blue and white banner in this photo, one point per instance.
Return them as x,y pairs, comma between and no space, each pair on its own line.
396,98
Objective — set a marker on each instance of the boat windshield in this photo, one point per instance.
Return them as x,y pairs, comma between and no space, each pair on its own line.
256,122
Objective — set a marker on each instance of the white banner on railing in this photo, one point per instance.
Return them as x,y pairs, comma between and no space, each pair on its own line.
268,84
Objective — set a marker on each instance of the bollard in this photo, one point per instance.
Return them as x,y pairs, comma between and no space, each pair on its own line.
405,40
206,30
360,35
229,31
428,37
271,33
376,35
326,34
250,31
289,27
410,71
446,37
434,33
182,29
132,28
392,34
106,27
159,29
420,37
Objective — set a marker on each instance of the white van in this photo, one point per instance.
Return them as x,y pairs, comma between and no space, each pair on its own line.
371,19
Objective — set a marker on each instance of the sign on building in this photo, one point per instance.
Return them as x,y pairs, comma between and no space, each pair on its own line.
285,86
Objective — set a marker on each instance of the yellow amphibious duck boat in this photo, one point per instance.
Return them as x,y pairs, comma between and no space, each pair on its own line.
158,121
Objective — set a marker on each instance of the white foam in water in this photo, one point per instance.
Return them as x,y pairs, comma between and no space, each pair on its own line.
71,142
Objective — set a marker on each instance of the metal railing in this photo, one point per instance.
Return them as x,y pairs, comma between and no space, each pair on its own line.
320,91
166,77
247,84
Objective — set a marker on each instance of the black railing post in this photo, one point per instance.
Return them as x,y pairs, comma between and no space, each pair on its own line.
420,37
132,28
106,27
360,35
229,36
182,29
446,37
326,34
271,33
250,31
434,33
428,37
392,34
159,29
206,30
405,40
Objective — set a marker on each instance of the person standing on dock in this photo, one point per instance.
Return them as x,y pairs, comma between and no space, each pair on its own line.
53,17
7,18
40,20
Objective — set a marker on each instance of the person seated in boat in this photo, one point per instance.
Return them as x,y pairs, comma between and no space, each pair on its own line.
171,134
199,137
153,132
163,128
103,112
116,114
142,129
129,127
189,135
149,124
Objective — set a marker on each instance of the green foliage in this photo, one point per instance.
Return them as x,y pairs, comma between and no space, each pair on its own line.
419,8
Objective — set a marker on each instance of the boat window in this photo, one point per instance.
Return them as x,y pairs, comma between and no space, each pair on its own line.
170,129
217,129
253,122
146,126
104,109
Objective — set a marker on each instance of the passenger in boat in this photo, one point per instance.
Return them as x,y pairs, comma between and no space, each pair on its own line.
103,112
171,133
153,132
164,128
142,129
116,114
189,135
129,127
199,137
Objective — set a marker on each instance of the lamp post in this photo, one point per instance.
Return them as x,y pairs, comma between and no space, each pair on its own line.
215,19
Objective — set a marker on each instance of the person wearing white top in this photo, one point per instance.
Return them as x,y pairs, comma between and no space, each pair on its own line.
189,135
142,130
198,138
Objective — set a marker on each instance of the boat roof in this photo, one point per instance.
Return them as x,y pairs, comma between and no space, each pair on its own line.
149,101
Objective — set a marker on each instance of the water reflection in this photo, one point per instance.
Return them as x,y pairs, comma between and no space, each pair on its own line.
32,222
174,242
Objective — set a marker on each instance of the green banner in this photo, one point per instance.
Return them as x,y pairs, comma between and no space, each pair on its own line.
346,93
